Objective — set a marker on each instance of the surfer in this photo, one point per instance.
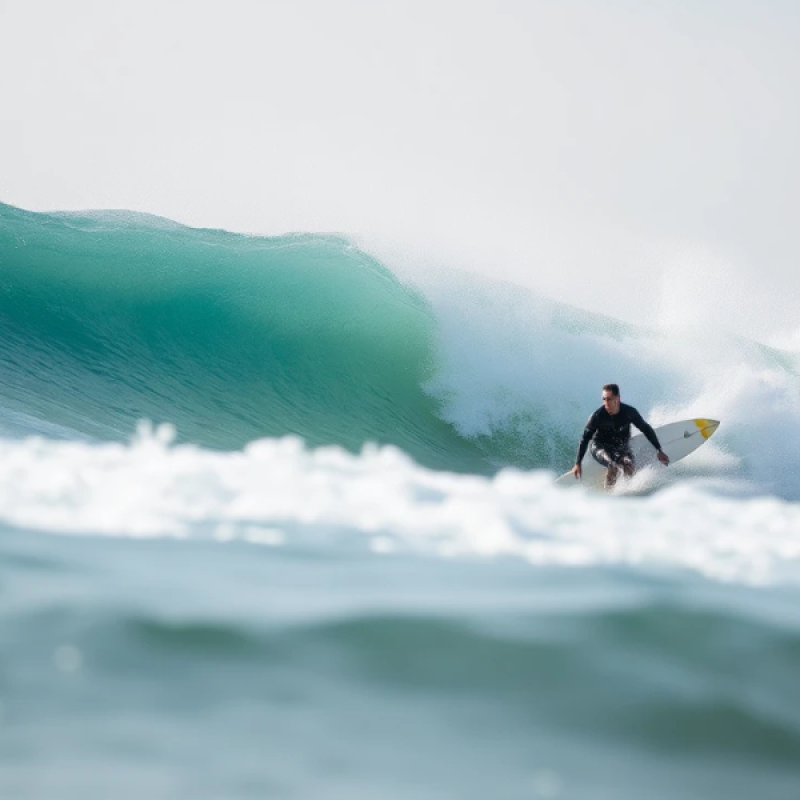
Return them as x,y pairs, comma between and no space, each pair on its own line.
609,430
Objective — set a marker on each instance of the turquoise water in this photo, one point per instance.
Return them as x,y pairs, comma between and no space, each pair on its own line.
327,563
227,337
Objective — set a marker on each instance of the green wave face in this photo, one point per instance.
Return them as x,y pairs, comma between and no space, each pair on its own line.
111,318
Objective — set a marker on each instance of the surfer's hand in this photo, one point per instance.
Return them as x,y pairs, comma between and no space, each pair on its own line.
576,471
663,457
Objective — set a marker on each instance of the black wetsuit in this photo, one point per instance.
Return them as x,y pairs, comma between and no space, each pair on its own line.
611,434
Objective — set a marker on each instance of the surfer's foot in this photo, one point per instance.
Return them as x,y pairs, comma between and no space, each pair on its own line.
611,477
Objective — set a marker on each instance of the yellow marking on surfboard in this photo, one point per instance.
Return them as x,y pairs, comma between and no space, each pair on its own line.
706,426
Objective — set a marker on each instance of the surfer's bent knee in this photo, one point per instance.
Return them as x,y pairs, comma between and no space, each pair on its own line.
614,461
603,457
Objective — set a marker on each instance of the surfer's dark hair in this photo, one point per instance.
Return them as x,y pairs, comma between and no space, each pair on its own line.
613,388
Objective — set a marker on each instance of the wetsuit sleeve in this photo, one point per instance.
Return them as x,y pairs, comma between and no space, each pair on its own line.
650,434
588,432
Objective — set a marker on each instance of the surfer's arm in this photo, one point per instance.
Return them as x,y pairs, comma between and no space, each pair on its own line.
647,430
588,432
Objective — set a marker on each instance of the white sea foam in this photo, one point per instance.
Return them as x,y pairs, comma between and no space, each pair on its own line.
280,494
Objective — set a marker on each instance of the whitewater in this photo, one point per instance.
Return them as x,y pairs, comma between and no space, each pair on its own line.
277,519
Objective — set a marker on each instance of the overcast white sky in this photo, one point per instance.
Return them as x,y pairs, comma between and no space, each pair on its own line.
600,152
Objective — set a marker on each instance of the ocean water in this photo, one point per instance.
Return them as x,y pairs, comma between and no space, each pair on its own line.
277,520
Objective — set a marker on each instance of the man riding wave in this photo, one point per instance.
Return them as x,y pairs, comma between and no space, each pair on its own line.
609,430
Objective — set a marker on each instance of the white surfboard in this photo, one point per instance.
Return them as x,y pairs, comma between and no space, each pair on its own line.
677,439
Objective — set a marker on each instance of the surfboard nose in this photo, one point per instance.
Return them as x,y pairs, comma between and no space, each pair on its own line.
707,426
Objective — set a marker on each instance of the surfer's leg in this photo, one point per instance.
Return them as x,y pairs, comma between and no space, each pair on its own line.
602,456
628,465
